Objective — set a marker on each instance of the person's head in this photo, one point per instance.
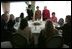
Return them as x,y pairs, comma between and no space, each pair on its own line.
68,18
61,21
7,14
48,25
4,17
37,7
22,15
29,6
45,7
23,24
11,17
53,13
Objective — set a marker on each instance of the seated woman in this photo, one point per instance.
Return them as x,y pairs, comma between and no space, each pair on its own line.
49,37
25,31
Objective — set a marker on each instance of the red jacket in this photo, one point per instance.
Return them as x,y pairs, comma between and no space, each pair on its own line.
54,19
46,14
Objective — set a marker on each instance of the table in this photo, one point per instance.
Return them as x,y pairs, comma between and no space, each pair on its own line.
37,28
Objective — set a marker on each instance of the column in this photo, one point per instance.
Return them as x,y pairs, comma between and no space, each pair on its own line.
33,8
6,6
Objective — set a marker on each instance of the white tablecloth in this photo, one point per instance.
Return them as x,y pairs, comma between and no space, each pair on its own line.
38,28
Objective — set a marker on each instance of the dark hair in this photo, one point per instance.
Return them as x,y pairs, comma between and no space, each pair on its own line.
68,18
37,7
53,13
23,24
29,6
11,15
61,19
2,16
22,15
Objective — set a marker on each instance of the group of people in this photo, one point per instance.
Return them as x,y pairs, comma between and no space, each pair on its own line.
37,16
23,38
45,15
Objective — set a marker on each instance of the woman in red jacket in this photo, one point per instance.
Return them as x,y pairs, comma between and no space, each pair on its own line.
46,13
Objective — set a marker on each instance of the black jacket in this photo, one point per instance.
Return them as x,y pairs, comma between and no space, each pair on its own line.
30,14
11,25
5,34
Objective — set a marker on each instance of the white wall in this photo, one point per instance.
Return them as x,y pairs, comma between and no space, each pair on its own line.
17,7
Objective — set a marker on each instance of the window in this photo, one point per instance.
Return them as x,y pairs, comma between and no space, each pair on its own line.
1,9
17,7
